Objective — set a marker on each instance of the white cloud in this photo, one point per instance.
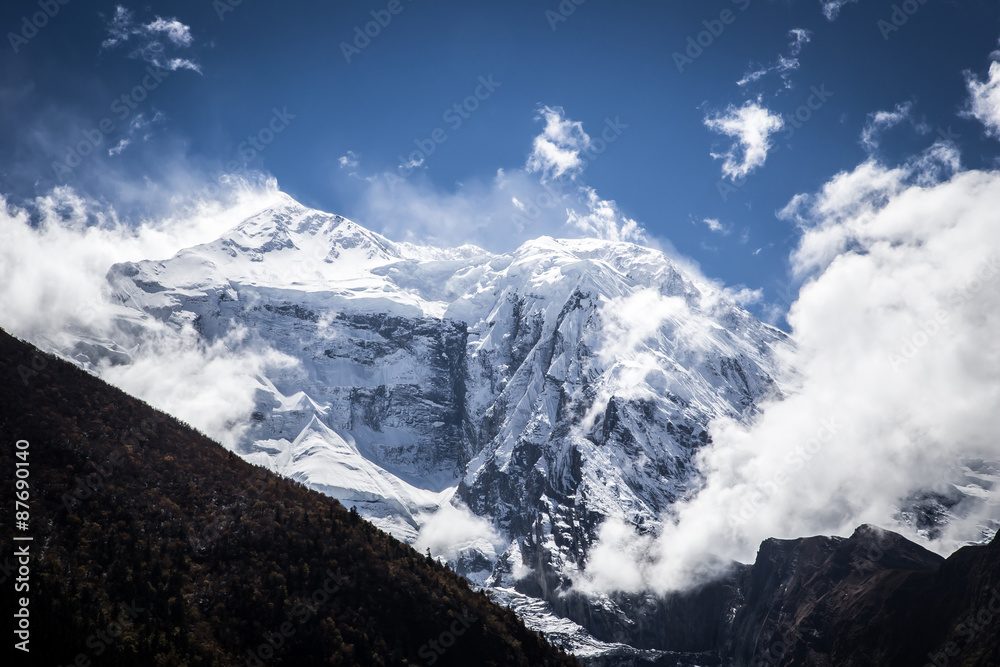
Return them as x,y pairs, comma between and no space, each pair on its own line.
755,75
880,121
138,123
800,37
745,296
715,226
176,32
896,387
203,383
883,120
119,28
349,161
831,8
984,99
785,64
412,163
556,151
119,147
751,126
603,220
544,197
498,215
52,284
175,64
454,529
148,38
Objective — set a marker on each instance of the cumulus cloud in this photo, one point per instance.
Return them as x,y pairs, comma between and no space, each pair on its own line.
556,151
751,127
603,220
454,529
149,39
348,161
715,226
53,262
831,8
896,386
744,296
175,31
984,99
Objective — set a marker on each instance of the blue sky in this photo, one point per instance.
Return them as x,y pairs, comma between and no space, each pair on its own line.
342,118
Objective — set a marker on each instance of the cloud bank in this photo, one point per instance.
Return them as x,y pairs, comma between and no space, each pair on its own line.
53,262
454,529
898,385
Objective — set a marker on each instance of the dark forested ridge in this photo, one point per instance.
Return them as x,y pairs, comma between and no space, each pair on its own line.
153,545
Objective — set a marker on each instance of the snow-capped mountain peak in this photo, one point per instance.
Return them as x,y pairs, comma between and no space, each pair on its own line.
543,390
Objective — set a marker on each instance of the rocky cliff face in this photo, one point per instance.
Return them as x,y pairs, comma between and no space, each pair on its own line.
872,599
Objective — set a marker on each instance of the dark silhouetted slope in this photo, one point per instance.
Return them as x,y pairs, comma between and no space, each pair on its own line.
155,546
874,598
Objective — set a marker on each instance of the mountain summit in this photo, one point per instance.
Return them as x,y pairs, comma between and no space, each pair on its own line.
533,394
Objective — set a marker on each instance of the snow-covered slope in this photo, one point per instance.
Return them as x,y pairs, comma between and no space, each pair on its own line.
545,389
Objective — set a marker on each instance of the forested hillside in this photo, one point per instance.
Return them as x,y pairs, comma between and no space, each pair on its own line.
153,545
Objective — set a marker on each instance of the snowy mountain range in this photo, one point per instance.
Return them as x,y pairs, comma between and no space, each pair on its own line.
496,408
